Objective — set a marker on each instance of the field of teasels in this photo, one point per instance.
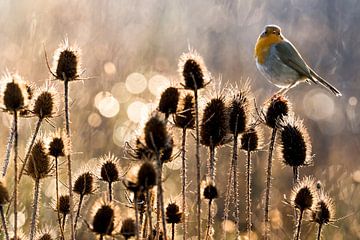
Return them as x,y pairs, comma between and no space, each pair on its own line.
155,124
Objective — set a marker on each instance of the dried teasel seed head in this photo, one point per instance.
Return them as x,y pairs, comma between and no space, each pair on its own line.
45,104
173,214
252,139
14,93
193,70
66,62
303,195
104,220
324,210
209,190
239,112
39,164
277,107
59,144
4,194
109,169
156,134
294,147
45,236
128,228
146,176
168,101
84,184
185,117
214,125
166,153
63,206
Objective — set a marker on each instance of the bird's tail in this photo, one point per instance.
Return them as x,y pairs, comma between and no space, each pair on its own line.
324,83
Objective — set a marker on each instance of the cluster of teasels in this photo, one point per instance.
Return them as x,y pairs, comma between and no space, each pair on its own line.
230,119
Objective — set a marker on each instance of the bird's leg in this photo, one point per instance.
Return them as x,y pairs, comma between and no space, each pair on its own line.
283,91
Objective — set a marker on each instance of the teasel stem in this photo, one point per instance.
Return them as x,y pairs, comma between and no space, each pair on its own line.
210,221
299,225
319,232
8,149
148,210
136,214
268,184
160,201
3,220
172,231
110,191
235,182
57,197
27,155
35,208
184,169
248,193
78,211
15,172
144,225
228,195
296,175
212,162
67,125
64,221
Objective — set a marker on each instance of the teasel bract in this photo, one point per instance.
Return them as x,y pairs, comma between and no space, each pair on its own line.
323,212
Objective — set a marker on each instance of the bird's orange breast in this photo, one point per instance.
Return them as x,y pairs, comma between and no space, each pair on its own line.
263,45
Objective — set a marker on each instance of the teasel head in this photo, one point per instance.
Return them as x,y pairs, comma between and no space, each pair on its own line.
185,116
294,146
128,228
63,205
139,151
84,184
323,211
45,233
252,139
66,62
209,190
45,103
146,176
214,125
14,93
173,213
166,155
59,144
4,194
168,101
105,218
277,107
193,70
130,181
109,168
39,165
304,195
156,134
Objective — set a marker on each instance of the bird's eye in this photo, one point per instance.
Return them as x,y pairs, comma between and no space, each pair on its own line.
266,32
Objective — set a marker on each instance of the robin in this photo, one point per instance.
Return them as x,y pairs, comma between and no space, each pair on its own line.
279,61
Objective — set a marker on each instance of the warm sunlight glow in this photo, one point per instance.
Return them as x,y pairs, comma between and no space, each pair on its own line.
136,83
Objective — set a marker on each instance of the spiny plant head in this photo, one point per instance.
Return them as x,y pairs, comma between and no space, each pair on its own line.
63,206
323,211
4,194
84,184
239,112
128,228
45,233
14,93
252,139
169,100
59,144
209,190
185,117
109,168
166,153
105,218
294,146
277,107
156,134
303,195
131,179
146,176
45,103
66,64
39,164
193,70
214,125
45,236
173,213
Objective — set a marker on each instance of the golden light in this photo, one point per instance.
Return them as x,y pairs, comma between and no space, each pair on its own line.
136,83
109,68
137,111
123,132
228,226
157,84
94,120
120,92
108,106
318,105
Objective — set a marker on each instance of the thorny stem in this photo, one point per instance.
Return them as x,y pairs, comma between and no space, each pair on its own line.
184,169
148,209
64,221
78,211
198,165
212,163
210,221
319,232
268,184
15,172
110,191
236,184
8,149
299,225
248,193
172,231
57,197
3,220
296,175
161,199
136,215
35,208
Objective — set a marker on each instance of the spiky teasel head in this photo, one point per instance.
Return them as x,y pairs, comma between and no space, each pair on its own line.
252,139
323,211
66,62
166,155
294,146
15,96
45,102
303,195
156,134
146,178
59,144
63,206
39,164
277,107
84,183
173,213
185,116
193,70
45,233
214,125
109,168
128,228
169,100
209,190
4,194
105,218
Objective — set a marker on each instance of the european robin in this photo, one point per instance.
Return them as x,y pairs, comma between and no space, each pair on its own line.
281,63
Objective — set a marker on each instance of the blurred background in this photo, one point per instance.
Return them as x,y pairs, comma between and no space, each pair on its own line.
130,48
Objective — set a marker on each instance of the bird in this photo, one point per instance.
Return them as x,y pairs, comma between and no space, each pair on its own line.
281,63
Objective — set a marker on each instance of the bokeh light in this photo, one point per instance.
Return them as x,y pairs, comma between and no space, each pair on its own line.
94,120
109,106
120,92
157,84
123,132
318,105
137,111
136,83
110,68
353,101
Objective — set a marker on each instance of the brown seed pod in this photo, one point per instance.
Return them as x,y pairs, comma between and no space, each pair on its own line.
173,213
66,64
84,184
239,112
109,168
209,190
103,220
146,176
252,139
324,211
156,134
63,206
14,93
303,195
185,117
128,228
39,164
45,103
277,107
168,101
